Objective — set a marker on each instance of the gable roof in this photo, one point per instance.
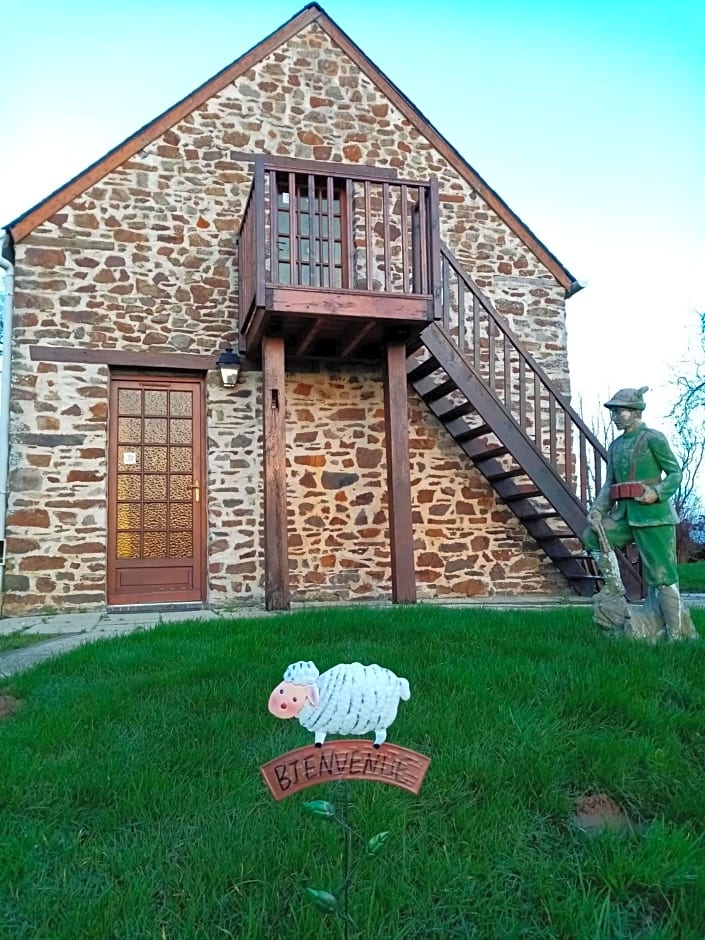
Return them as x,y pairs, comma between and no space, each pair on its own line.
24,224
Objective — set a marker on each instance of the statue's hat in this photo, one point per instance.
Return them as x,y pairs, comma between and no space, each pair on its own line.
628,398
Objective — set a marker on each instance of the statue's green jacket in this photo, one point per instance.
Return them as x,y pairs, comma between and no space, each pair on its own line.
642,455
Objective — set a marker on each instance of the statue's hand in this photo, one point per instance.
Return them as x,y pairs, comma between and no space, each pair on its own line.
648,496
594,517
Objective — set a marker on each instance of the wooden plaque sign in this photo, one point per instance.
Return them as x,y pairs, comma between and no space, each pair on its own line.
345,760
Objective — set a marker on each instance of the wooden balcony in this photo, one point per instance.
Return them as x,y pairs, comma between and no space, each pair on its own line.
336,262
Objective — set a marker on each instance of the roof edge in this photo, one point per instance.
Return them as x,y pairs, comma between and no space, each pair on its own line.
24,224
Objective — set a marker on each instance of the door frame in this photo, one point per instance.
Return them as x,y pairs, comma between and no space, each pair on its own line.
200,584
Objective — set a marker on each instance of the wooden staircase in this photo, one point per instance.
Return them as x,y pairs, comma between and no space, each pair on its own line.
512,422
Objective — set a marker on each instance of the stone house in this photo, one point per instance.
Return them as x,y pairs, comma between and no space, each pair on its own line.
400,428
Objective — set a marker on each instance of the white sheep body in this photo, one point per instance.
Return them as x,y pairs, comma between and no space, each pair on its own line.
352,699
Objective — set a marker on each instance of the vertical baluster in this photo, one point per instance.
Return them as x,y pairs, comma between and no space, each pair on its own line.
507,372
597,458
568,450
491,364
330,195
350,276
476,331
407,273
386,247
537,411
583,468
368,235
446,292
259,230
311,230
423,240
294,231
273,228
552,430
523,415
462,322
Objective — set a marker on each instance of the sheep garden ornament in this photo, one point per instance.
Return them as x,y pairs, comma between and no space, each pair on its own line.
348,699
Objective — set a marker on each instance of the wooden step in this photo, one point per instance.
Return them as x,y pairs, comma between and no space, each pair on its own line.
424,369
458,411
440,391
521,494
472,433
505,474
535,516
484,455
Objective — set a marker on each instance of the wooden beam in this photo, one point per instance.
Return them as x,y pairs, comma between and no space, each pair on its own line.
357,338
123,357
324,302
276,549
309,336
396,419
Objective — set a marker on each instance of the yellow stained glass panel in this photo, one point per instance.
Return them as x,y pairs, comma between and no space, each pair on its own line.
128,516
155,403
180,545
154,545
154,486
129,458
155,515
180,458
129,401
181,431
128,545
180,486
155,430
129,430
180,515
128,487
181,404
155,459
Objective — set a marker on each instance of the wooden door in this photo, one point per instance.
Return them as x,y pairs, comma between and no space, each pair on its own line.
156,525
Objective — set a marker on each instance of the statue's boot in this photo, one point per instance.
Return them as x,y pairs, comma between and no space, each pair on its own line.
673,613
608,567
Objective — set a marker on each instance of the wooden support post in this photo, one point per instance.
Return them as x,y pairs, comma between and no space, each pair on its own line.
276,549
396,418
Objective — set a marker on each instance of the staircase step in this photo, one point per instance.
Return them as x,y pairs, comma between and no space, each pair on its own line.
459,411
489,454
439,391
535,516
521,494
424,369
505,475
472,433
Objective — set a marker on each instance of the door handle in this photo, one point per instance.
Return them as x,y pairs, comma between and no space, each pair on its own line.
196,487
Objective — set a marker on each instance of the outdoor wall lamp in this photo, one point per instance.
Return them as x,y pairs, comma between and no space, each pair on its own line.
229,363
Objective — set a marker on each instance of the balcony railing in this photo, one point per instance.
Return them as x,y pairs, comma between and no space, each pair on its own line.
356,230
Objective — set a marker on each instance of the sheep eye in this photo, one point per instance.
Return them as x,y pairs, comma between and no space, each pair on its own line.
281,691
295,699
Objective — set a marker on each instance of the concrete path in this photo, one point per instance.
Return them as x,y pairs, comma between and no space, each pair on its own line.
71,630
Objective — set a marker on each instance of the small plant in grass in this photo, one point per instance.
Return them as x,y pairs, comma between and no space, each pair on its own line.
17,641
337,902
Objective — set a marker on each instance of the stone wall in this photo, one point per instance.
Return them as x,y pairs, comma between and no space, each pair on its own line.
144,260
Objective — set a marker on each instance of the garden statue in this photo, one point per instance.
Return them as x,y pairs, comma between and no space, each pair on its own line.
634,505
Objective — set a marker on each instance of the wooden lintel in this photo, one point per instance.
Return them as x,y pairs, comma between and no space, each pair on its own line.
331,303
396,420
123,357
319,167
276,553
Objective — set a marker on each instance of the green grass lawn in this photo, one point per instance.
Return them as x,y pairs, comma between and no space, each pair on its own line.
692,576
17,641
132,806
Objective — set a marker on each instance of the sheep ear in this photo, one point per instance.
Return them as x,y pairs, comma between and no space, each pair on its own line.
312,694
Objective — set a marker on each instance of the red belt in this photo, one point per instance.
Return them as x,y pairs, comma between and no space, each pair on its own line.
628,490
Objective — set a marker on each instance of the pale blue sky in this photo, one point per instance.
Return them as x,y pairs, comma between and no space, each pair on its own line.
588,119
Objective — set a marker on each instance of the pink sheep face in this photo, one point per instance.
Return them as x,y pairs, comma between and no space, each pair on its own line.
287,699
